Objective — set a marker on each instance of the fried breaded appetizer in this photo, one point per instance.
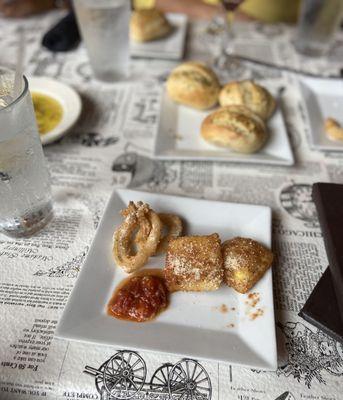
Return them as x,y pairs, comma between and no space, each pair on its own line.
137,216
194,263
245,262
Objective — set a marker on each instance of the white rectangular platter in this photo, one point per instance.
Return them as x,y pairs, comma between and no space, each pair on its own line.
194,324
323,99
178,137
170,47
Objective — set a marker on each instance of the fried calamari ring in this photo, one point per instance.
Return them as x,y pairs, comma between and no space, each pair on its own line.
173,224
141,219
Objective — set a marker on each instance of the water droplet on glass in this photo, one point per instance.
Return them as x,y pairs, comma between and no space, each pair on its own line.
29,152
4,177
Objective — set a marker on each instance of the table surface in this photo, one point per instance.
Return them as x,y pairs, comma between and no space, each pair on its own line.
110,147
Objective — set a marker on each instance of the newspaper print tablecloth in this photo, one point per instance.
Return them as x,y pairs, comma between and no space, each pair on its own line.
111,147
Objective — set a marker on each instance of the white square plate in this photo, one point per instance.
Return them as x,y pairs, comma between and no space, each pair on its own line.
178,138
170,47
323,99
194,323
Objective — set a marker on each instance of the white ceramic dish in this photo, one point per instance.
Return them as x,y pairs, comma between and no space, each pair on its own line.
178,138
193,324
66,96
323,99
170,47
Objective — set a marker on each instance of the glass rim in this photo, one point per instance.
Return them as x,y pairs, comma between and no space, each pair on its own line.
22,94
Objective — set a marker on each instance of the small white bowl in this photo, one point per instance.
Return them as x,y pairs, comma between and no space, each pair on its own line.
68,98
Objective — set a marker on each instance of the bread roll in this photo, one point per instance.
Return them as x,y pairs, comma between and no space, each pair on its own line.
148,24
250,95
194,85
235,127
333,129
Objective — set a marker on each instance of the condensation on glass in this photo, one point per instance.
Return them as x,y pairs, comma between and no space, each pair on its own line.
25,195
104,26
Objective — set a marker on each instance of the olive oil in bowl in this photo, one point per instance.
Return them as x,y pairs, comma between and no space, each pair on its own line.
48,111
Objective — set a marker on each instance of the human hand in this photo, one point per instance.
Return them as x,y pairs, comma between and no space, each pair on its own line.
23,8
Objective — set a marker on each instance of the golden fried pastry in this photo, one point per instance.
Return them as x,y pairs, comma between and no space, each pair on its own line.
245,262
173,226
249,94
137,217
148,24
333,129
194,263
194,85
235,127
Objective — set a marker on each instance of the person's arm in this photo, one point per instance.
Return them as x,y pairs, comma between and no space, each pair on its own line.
23,8
193,8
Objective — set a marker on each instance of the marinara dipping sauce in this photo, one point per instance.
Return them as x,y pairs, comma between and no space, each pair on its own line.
140,297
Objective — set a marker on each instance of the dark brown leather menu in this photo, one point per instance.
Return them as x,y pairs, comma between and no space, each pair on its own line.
328,198
321,308
324,307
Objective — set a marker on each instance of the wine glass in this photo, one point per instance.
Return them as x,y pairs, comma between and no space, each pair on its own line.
221,27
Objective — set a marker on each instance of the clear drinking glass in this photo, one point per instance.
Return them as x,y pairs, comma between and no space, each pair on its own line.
25,197
318,22
104,26
221,27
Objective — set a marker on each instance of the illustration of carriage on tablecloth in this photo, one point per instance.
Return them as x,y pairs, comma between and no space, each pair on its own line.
123,377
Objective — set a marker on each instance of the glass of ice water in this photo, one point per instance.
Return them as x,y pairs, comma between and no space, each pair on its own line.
25,197
317,25
104,26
